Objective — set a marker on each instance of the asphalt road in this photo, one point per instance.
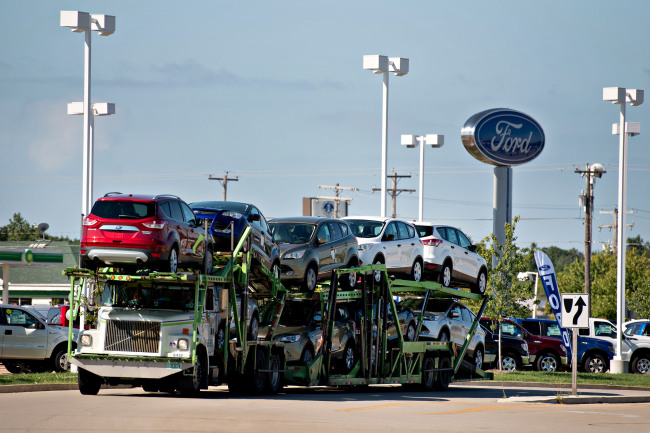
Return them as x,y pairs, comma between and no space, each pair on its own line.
463,408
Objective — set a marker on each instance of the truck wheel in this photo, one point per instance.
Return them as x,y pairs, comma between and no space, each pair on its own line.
255,378
510,362
60,360
349,358
428,375
89,383
274,378
640,364
547,362
595,363
191,384
443,378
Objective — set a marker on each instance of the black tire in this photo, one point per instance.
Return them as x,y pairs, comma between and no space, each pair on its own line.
640,364
349,281
417,270
253,327
59,360
444,336
89,383
255,378
274,378
150,385
410,332
13,367
548,362
310,279
172,261
236,384
478,357
307,355
510,362
443,378
445,274
208,262
428,375
378,261
349,357
481,283
595,363
190,384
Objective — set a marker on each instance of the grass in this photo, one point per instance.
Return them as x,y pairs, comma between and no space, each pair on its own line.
37,378
640,380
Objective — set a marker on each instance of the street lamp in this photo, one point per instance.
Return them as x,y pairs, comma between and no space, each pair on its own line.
620,95
411,141
84,22
525,276
383,65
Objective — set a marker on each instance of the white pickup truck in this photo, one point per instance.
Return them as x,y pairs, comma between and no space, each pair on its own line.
634,350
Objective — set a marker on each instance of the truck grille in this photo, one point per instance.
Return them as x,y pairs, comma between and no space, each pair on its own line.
126,336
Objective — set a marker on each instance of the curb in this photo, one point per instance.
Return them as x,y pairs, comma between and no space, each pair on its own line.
494,383
577,399
38,387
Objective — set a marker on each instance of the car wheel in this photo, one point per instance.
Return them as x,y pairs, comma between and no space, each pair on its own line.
190,384
443,378
274,378
307,356
350,280
410,332
595,363
445,275
13,368
640,364
172,262
220,337
547,362
60,360
444,337
428,375
208,261
510,362
311,277
349,357
416,270
89,383
481,283
253,327
478,357
378,261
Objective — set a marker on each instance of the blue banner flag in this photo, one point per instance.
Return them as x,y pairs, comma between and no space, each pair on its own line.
547,275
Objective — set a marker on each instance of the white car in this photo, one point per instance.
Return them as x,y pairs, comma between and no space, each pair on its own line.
450,257
391,241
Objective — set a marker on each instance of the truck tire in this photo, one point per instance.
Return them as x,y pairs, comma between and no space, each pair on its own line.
640,364
595,363
547,362
274,378
443,378
191,384
255,379
428,375
89,383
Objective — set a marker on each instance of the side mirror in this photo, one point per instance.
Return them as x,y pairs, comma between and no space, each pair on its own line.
321,241
454,314
472,248
254,217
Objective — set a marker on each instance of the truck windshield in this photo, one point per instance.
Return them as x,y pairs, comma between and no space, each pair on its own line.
161,296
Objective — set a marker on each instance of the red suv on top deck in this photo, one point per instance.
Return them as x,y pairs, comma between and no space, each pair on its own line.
151,231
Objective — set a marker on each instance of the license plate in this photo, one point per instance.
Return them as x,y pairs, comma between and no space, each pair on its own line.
171,365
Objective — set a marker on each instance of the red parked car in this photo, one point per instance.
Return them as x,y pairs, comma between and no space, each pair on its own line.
149,231
546,353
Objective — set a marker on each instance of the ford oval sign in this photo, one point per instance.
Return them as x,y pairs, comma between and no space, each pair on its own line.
502,136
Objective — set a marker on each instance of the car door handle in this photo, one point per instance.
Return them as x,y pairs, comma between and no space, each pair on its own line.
9,332
399,245
453,247
466,252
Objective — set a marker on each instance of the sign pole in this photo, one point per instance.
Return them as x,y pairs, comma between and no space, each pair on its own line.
574,364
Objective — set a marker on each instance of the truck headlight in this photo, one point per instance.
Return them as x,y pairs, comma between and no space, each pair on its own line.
86,340
183,344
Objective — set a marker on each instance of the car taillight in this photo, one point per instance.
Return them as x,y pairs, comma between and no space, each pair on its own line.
432,242
157,224
88,221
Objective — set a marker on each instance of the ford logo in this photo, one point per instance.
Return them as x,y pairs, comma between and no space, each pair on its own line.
503,137
544,268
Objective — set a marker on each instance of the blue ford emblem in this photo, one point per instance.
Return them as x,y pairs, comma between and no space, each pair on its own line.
502,136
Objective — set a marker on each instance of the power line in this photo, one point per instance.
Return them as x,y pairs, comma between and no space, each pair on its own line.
224,182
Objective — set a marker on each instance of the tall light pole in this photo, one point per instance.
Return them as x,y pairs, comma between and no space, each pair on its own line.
591,172
83,22
620,95
383,65
411,141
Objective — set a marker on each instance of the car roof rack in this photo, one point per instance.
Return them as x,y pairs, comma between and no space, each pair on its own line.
108,194
166,195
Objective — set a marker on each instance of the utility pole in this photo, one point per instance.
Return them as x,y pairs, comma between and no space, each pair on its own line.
614,225
394,192
224,182
337,189
590,172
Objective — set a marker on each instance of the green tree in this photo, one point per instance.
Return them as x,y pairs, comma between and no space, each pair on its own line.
19,229
561,258
505,262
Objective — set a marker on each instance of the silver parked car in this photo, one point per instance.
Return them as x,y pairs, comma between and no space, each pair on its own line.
446,319
450,257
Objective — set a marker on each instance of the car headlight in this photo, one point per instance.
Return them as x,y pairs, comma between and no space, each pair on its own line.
290,338
233,215
365,247
86,340
295,255
182,343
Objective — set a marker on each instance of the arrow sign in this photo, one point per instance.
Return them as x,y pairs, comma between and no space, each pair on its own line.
575,310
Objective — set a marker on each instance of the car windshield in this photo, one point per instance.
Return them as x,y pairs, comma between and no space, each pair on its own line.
434,306
292,233
365,228
298,313
166,297
123,209
221,205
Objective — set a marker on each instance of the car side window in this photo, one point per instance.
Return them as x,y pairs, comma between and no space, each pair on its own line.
467,315
451,236
391,230
442,231
176,211
324,232
532,327
263,224
335,232
15,317
553,330
344,229
165,209
403,231
464,242
188,215
411,231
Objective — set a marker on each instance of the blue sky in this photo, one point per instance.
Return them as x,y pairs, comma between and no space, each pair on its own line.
275,93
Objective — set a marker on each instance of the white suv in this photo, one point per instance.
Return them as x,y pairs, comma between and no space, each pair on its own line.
451,257
390,241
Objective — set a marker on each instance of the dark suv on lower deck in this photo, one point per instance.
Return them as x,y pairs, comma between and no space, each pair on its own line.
149,231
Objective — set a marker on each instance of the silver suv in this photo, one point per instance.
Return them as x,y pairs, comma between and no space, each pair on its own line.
450,257
28,343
